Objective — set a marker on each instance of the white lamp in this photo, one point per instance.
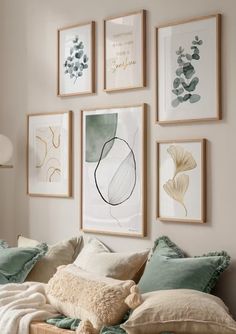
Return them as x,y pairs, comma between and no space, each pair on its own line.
6,151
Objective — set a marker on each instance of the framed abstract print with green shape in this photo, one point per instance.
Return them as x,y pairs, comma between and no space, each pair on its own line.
76,63
188,70
113,171
182,180
49,153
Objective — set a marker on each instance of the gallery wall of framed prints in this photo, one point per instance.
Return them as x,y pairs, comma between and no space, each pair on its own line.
113,166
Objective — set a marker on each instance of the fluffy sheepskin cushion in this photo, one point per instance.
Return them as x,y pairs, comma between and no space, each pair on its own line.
180,311
94,299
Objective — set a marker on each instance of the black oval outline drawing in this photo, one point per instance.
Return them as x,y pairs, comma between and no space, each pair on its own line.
95,171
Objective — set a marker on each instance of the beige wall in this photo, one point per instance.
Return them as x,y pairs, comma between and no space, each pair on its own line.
28,85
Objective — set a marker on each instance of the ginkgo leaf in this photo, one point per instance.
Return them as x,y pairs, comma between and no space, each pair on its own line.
176,189
183,160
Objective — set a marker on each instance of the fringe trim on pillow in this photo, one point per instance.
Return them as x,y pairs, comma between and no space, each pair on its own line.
19,277
169,243
3,244
219,270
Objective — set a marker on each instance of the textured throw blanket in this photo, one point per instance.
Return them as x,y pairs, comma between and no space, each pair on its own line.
22,303
72,324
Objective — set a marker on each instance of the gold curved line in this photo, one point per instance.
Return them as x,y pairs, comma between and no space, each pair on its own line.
55,170
46,152
53,138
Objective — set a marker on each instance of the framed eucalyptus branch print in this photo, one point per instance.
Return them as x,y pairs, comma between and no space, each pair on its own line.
125,52
181,180
188,70
113,170
49,152
76,63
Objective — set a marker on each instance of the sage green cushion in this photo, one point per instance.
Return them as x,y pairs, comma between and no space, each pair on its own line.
168,268
16,263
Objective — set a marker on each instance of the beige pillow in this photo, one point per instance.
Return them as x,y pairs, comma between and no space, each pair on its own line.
96,258
180,311
79,294
62,253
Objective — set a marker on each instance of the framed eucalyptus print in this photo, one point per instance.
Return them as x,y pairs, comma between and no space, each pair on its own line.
113,170
125,52
188,70
181,180
49,153
76,63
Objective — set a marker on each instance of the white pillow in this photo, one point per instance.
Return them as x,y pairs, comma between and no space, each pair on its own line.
89,297
96,258
181,312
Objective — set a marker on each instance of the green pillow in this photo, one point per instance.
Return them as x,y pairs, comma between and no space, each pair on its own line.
16,263
168,269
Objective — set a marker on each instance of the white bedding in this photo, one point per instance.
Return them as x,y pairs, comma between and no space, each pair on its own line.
22,303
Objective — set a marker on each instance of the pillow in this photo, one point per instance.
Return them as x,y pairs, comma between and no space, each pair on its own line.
16,263
96,258
180,311
94,299
61,253
167,269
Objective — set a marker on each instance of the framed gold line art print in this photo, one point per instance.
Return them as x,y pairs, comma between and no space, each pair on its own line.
181,169
113,171
76,60
188,56
125,52
49,154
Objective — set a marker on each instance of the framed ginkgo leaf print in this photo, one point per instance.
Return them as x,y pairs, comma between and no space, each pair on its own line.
113,193
188,70
181,180
76,64
49,153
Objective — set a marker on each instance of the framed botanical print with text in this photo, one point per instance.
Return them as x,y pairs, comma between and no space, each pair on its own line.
181,180
188,70
113,171
125,52
49,153
76,63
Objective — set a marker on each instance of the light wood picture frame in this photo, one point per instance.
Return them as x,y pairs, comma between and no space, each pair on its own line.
181,180
188,76
125,52
76,60
49,154
113,170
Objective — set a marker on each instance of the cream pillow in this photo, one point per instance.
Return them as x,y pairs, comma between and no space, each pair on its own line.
180,311
96,258
62,253
96,300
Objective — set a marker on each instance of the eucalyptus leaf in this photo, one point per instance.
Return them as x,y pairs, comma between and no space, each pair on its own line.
192,86
186,97
179,71
175,103
176,83
195,56
194,98
188,56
